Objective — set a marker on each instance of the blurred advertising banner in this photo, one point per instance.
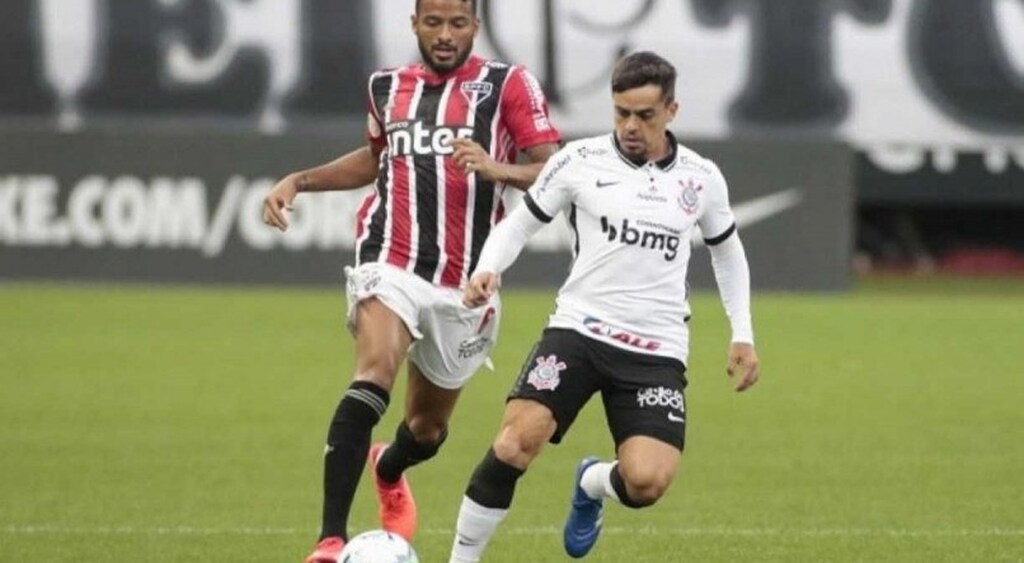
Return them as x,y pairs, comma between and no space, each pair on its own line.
148,129
174,206
872,72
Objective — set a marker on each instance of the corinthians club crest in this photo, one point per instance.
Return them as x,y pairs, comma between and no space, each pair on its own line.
689,198
544,376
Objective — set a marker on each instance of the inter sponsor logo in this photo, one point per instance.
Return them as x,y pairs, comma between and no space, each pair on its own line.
417,139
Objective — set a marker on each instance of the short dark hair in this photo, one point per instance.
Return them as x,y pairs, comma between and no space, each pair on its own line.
471,2
643,68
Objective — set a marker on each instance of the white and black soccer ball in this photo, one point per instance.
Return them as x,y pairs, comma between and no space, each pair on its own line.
378,546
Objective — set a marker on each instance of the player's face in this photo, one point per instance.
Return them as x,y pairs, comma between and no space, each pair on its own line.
641,117
445,30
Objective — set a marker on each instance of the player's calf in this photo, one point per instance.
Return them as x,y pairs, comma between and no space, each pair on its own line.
348,443
405,452
484,506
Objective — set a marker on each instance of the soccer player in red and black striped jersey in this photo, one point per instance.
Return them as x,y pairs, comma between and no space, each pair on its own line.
443,137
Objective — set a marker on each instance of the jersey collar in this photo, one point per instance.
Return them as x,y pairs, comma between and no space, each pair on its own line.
664,163
469,68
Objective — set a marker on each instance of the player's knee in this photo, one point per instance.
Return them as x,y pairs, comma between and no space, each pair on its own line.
644,495
425,430
516,446
646,485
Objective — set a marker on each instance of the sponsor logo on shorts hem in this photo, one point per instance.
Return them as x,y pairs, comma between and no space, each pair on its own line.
472,346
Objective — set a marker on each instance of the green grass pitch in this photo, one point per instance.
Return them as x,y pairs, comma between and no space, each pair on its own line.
186,425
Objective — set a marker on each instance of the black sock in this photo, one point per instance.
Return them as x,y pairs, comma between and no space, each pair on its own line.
493,482
620,489
405,452
348,444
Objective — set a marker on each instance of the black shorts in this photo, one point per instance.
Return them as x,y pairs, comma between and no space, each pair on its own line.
643,394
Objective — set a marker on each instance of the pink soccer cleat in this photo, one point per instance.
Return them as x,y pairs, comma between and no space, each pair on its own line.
328,550
397,506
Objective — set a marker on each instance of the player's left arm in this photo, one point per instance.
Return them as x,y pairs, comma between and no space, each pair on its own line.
732,274
524,113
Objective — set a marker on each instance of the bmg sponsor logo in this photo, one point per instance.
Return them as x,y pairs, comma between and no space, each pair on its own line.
645,235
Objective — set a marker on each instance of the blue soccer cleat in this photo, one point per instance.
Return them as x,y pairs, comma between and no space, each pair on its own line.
585,516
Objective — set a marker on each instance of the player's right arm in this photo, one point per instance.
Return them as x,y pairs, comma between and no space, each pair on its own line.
348,172
551,194
351,171
502,248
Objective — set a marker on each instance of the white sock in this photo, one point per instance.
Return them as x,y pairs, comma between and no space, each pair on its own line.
473,530
597,481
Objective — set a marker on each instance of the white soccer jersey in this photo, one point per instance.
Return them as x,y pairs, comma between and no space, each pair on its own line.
633,225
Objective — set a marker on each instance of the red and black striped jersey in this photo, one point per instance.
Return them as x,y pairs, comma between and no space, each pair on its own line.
425,215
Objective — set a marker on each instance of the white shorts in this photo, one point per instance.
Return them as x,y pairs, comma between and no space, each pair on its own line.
451,341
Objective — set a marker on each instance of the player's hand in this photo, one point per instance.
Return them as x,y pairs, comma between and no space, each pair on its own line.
279,201
743,363
471,158
480,288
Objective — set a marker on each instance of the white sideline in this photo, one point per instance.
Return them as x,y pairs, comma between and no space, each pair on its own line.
51,529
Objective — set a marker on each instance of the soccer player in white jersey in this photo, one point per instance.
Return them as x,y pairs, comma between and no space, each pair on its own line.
633,199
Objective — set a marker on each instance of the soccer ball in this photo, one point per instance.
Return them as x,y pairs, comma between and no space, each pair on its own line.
378,546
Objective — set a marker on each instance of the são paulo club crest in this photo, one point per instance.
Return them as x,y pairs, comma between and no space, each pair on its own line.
544,375
476,92
690,196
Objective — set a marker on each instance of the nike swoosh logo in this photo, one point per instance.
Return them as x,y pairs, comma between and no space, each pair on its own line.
675,418
466,542
601,184
756,210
